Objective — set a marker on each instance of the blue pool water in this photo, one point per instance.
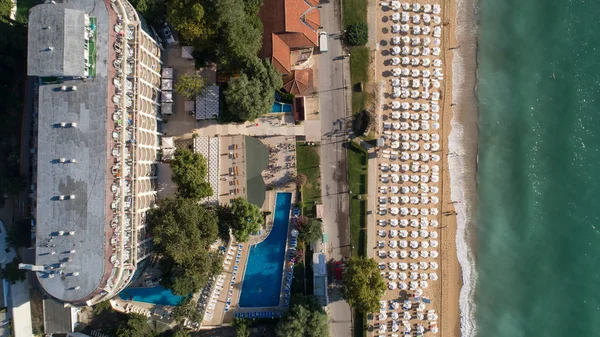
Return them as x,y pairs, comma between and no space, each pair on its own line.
281,107
262,280
154,295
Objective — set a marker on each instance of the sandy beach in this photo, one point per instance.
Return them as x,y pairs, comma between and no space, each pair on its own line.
458,138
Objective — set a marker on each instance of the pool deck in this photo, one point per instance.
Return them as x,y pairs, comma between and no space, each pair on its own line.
219,316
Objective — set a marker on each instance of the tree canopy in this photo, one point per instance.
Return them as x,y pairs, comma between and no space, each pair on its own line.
19,234
188,18
12,273
362,284
182,231
252,93
357,34
186,310
310,230
151,10
241,328
136,325
242,217
190,85
189,173
303,319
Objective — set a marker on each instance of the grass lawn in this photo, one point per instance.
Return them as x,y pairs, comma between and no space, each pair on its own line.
308,161
359,72
355,11
357,180
23,7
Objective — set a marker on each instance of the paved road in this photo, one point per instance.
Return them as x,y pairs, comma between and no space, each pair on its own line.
334,185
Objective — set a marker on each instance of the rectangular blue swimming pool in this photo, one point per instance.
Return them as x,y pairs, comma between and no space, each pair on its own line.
279,107
262,280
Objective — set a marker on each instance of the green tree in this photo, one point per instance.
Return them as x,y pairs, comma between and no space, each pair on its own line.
183,230
241,327
251,94
243,217
303,319
362,284
357,34
190,85
310,230
151,10
188,18
186,310
136,325
12,273
5,9
181,333
19,234
189,173
102,307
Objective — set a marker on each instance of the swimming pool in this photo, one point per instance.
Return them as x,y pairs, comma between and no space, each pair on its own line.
279,107
154,295
262,280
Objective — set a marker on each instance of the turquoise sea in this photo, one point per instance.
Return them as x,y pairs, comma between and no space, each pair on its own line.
538,227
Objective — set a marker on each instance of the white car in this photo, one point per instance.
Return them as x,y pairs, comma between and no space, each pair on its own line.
168,35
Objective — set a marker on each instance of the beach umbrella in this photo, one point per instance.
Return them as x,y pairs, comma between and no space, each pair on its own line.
414,244
416,19
414,254
424,254
393,254
382,265
415,167
405,50
403,244
406,305
414,223
425,95
424,284
403,222
424,168
435,137
396,16
424,187
402,276
404,211
414,275
404,199
395,61
433,211
395,177
425,157
393,233
437,20
426,146
404,28
381,233
394,210
395,5
426,51
395,326
414,234
414,211
435,179
436,125
396,50
416,51
394,222
415,41
414,136
396,40
437,63
381,244
382,254
396,71
395,315
382,315
433,265
396,126
425,244
404,17
434,223
402,286
395,82
393,265
403,266
397,92
395,167
405,115
414,189
404,156
403,233
424,211
404,126
423,265
436,51
382,327
414,200
433,243
405,61
435,157
395,145
435,200
423,233
413,285
403,254
393,243
416,7
433,276
404,167
426,18
392,285
436,42
395,28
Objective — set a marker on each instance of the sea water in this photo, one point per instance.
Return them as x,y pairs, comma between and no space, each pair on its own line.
538,224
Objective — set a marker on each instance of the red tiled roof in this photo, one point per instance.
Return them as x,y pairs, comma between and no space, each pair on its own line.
281,55
272,17
313,18
295,11
296,40
298,82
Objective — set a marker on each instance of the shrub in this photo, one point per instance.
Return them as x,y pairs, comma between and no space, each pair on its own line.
357,34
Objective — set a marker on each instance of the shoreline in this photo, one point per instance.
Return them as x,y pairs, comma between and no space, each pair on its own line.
462,140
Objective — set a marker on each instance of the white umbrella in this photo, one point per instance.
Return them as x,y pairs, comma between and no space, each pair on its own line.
405,156
393,243
394,305
395,167
393,265
396,50
423,265
404,28
403,222
382,327
413,285
425,244
395,178
403,244
395,145
414,254
414,234
419,292
433,211
394,200
434,235
403,254
381,233
424,284
394,210
396,16
402,276
416,7
433,253
396,39
414,275
395,125
395,315
433,265
394,222
395,28
382,254
435,200
405,61
433,276
382,315
393,233
435,157
405,50
404,211
395,83
424,233
416,19
402,286
403,266
395,61
392,285
417,30
393,254
434,223
426,30
433,243
424,211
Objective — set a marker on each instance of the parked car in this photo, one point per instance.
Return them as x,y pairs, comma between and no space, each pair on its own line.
168,35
